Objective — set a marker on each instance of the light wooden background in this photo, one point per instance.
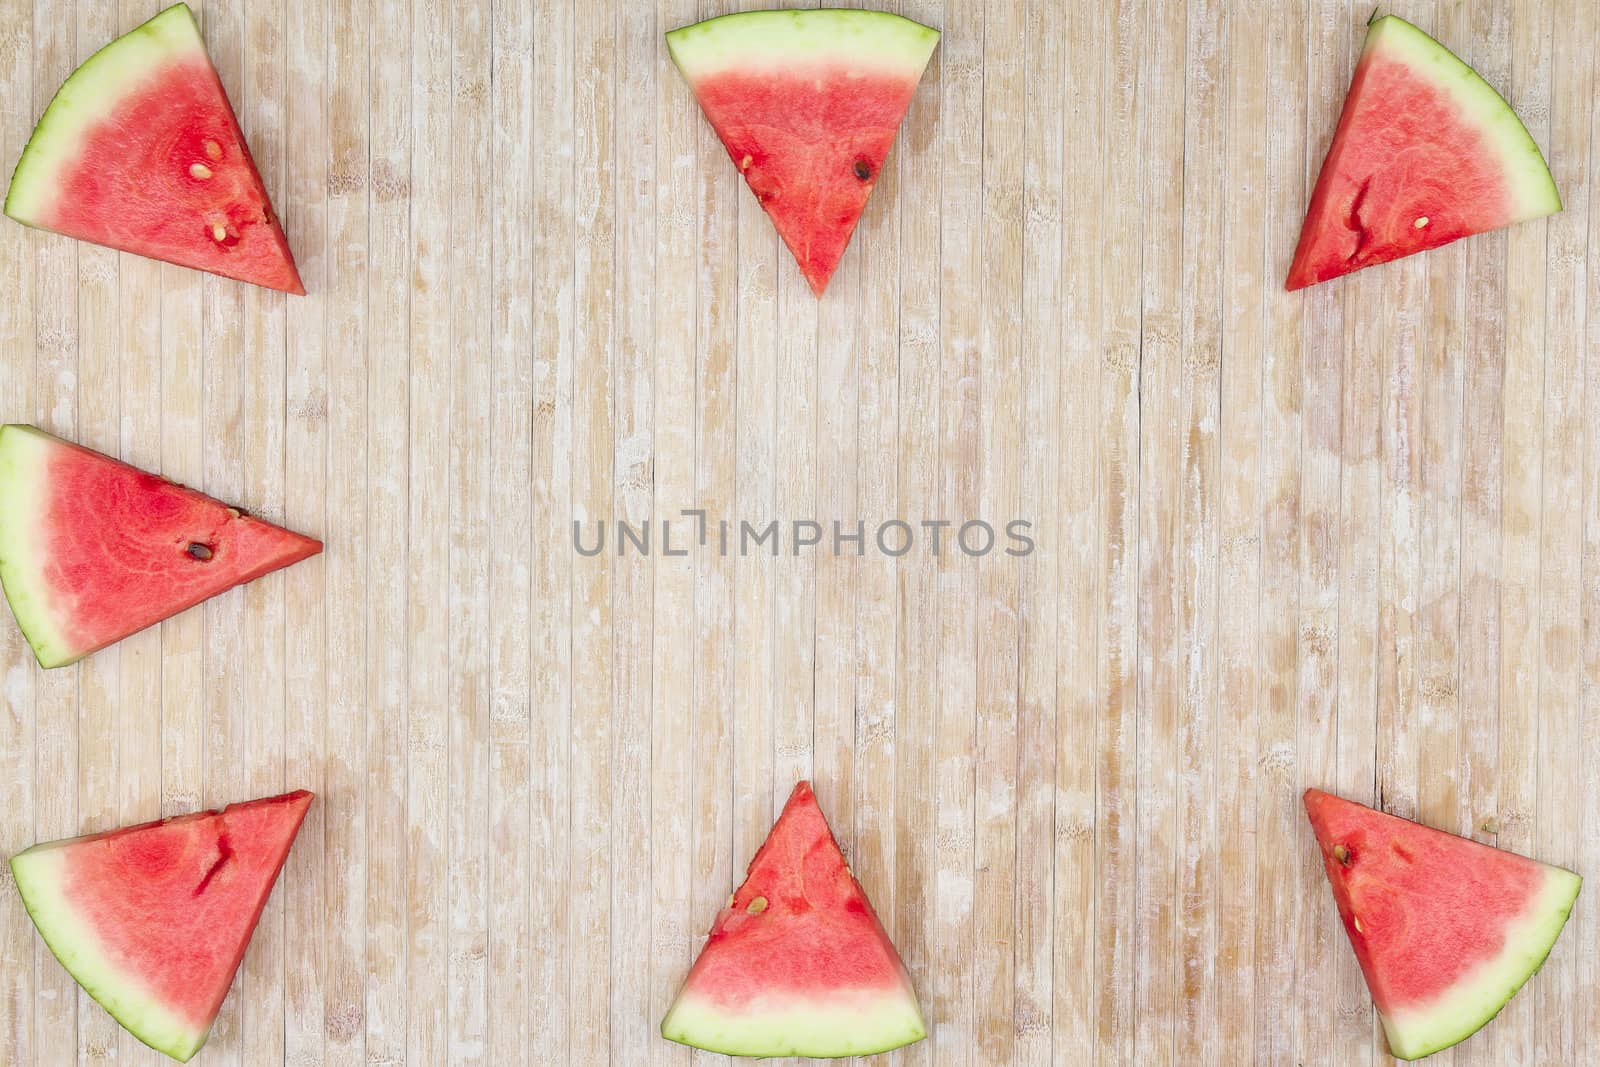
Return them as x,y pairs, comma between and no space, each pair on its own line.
1349,538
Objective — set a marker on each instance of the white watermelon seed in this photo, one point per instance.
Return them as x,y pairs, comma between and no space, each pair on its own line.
757,905
1422,220
199,170
213,149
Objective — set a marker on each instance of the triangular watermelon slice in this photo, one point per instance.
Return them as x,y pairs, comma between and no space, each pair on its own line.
807,104
797,964
140,151
153,920
92,550
1426,152
1445,929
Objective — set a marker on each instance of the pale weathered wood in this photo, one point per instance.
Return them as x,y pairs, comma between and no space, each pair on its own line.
1342,538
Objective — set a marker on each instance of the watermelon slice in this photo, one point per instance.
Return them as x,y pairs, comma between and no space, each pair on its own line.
140,151
1445,929
92,550
153,920
1426,152
797,963
807,104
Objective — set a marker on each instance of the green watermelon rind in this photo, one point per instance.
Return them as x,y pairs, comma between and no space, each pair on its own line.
92,92
1470,1004
841,1025
37,872
24,452
752,39
1527,173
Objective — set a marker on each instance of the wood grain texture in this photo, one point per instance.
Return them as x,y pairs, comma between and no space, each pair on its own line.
1345,538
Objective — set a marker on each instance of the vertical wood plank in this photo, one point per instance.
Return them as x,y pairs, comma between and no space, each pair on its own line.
1117,950
347,538
593,783
673,755
433,174
997,707
1278,810
954,994
474,538
1199,836
917,166
1527,355
633,469
1328,59
1043,350
392,189
307,154
1560,1006
1250,284
519,1006
1078,1007
716,863
1157,994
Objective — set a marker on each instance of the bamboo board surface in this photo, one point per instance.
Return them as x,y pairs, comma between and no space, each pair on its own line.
1348,538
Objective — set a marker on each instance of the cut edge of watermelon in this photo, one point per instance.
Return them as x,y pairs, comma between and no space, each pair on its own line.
1477,998
790,38
92,92
37,871
1527,173
23,452
813,1027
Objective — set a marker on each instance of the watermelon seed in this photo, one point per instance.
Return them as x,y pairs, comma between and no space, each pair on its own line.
200,171
213,149
863,169
199,551
219,231
744,164
1422,220
757,905
1341,854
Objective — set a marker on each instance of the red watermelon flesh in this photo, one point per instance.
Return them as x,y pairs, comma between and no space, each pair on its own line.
1445,929
153,920
140,151
1426,152
807,104
92,550
797,964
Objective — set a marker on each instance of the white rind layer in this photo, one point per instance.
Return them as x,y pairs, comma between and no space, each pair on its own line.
24,455
1479,995
40,874
839,1024
1533,190
92,92
755,40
